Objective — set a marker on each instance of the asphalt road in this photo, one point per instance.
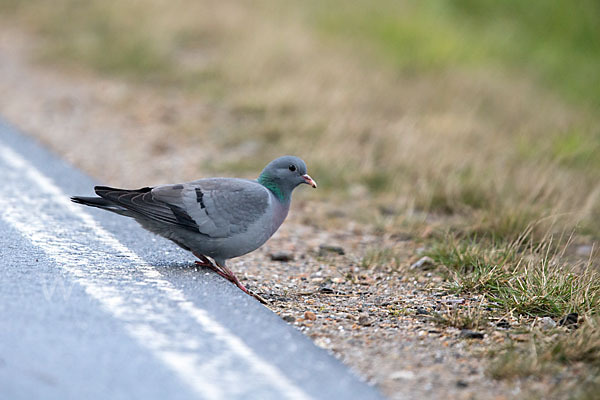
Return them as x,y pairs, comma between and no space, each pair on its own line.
92,306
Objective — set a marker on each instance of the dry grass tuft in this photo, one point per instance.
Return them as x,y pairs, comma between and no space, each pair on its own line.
555,353
522,277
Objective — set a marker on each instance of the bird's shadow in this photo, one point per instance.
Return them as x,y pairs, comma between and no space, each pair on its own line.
177,266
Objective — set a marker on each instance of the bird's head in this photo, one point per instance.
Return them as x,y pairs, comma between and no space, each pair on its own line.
283,174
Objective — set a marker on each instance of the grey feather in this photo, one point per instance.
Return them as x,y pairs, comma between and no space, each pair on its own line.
227,206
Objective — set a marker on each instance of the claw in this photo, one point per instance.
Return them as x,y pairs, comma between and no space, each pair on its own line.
226,273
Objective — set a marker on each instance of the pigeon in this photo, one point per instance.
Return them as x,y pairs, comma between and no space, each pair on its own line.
220,218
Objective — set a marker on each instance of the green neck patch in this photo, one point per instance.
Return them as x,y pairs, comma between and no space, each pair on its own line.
267,182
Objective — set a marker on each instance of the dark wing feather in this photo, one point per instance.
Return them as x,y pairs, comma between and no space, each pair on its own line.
143,203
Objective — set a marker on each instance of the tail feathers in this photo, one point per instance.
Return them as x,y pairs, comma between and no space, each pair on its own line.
100,203
91,201
108,192
110,199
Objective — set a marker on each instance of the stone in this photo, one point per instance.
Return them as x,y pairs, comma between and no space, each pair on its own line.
547,323
422,311
289,318
403,374
309,315
424,263
329,248
326,290
569,320
469,334
504,324
364,320
282,256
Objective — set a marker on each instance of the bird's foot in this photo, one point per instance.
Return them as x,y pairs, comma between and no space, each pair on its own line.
213,268
204,261
258,297
236,282
226,273
234,279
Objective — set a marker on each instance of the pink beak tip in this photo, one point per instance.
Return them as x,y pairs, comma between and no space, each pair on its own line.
309,180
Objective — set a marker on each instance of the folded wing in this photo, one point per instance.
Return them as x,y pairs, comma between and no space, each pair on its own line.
217,208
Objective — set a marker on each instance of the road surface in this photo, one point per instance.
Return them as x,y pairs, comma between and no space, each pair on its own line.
92,306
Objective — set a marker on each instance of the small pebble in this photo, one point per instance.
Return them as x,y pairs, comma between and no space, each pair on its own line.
282,256
454,301
504,324
569,320
461,384
326,290
402,375
422,311
547,323
364,320
289,318
309,315
424,263
469,334
328,248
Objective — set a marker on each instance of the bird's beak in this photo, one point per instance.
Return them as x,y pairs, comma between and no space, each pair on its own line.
309,180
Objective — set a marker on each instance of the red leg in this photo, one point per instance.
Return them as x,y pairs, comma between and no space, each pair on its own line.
234,279
206,263
212,268
226,273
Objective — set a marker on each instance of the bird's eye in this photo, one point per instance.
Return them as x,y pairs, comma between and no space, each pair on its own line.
292,167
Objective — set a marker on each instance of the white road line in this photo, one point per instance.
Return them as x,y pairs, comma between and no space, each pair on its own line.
27,195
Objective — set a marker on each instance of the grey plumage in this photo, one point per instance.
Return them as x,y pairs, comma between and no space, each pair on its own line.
221,218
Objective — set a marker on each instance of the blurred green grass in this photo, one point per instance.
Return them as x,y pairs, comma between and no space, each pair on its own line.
502,175
554,41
